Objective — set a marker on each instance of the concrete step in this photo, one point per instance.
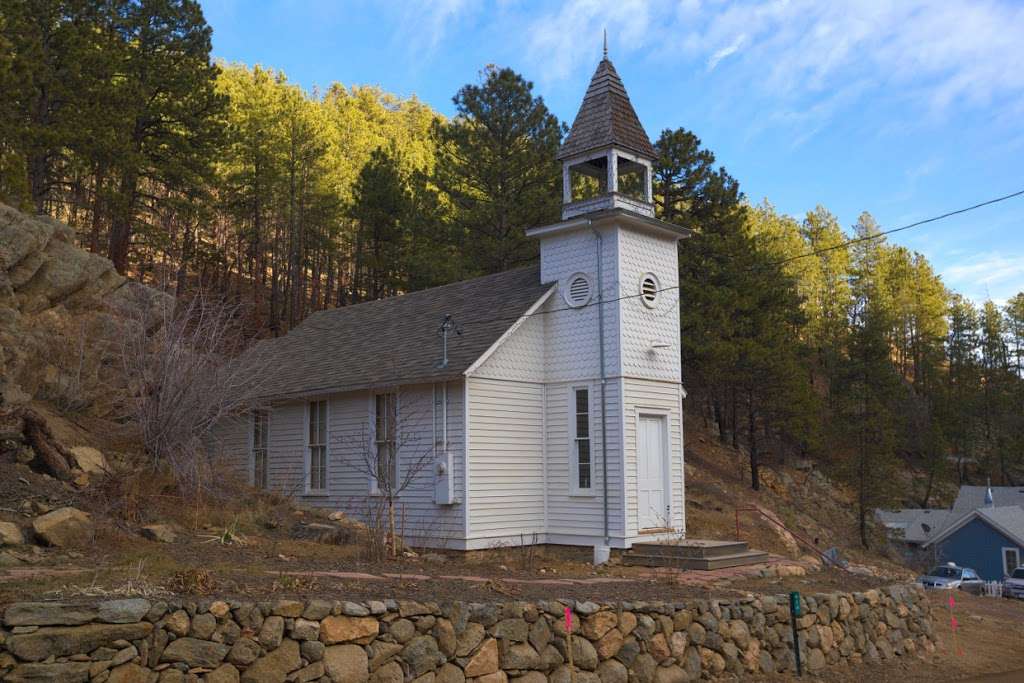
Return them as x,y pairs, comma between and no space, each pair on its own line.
740,559
695,549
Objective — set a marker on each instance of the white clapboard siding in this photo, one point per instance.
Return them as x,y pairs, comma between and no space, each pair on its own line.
350,459
583,516
506,458
349,437
228,445
657,397
286,439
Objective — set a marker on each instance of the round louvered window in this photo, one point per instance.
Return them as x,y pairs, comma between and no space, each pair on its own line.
578,291
649,288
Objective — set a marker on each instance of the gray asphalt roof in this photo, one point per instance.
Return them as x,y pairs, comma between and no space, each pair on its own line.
395,340
972,497
917,524
606,117
1010,518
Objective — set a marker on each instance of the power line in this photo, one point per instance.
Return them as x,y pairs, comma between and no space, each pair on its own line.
883,233
816,252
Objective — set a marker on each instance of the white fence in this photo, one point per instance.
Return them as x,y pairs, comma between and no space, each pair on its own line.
993,589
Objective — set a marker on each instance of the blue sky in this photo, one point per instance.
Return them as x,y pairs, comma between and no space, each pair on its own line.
906,109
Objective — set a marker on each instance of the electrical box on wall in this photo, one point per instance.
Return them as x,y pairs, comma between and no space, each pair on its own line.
444,480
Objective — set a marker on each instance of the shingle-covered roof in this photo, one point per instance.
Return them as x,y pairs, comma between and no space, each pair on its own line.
1009,519
395,341
917,525
606,117
972,497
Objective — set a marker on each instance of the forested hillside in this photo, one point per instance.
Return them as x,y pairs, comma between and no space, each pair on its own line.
800,336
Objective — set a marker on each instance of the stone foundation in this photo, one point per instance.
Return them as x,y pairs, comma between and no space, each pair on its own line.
137,640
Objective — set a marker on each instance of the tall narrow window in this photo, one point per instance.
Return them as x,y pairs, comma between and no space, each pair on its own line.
316,475
386,417
260,431
582,465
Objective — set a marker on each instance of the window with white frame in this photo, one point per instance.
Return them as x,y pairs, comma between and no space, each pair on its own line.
260,438
582,465
385,425
1011,560
316,464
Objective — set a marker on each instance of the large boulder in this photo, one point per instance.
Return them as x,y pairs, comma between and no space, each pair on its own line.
10,534
275,666
89,460
195,652
65,672
126,611
347,629
347,663
62,641
64,527
48,614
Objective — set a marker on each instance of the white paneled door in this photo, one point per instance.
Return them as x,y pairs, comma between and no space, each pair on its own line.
652,497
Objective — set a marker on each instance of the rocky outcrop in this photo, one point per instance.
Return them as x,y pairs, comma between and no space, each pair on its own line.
40,266
46,284
396,641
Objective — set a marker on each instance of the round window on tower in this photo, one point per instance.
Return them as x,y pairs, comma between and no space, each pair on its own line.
649,288
578,291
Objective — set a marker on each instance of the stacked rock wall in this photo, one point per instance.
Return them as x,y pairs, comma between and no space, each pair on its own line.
137,640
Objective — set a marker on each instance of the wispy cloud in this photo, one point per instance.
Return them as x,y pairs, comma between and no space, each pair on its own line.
560,40
730,49
793,54
998,274
424,24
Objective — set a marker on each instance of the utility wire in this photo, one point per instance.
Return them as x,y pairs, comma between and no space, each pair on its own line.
816,252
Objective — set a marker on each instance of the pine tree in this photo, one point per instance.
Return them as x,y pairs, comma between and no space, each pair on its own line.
381,206
496,164
169,109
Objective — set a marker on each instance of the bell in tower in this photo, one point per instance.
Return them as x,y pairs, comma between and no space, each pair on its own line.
607,157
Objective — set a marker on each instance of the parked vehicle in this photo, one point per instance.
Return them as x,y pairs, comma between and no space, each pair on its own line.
1013,585
951,577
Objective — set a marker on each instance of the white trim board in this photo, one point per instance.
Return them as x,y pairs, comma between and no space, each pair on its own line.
963,521
510,331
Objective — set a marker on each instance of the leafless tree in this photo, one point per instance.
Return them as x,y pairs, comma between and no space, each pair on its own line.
395,448
189,370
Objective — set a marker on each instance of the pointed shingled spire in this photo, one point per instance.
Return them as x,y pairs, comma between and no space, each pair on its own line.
606,118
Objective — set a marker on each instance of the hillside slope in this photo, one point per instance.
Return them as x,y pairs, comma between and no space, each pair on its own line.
812,512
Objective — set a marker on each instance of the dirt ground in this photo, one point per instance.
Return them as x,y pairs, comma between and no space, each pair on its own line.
988,647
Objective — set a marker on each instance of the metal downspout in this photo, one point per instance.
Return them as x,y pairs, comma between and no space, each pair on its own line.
604,383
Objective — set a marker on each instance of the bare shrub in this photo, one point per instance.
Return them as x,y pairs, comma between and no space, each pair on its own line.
189,370
395,450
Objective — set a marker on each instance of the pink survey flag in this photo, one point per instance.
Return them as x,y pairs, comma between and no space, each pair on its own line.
568,620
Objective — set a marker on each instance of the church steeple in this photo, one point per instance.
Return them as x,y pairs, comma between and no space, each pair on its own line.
607,156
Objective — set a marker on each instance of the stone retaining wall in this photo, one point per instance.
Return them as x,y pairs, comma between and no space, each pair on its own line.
137,640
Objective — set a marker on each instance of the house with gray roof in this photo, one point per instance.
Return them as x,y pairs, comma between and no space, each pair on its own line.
914,526
973,497
987,539
538,405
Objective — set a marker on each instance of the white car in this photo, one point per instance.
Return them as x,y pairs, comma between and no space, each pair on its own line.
1013,585
950,576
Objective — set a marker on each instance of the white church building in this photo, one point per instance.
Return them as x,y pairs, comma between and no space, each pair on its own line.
538,405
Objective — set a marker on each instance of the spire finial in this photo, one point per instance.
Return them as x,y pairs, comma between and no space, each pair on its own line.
606,43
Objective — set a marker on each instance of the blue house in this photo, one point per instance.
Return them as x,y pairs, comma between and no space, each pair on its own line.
989,540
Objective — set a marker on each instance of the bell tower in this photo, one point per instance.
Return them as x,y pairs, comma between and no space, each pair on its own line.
607,156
